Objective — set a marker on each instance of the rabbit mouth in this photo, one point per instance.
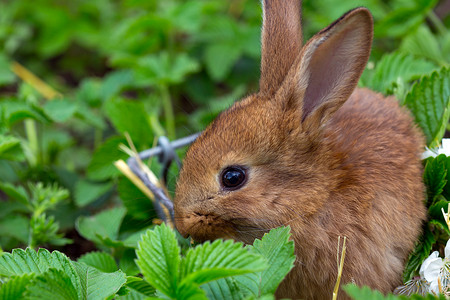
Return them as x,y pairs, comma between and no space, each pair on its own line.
204,227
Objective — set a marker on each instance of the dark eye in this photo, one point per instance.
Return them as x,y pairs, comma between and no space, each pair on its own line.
233,177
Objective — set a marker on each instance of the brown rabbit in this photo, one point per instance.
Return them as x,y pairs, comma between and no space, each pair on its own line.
311,151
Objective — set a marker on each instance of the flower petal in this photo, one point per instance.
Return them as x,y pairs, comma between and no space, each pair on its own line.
447,249
433,269
427,261
445,148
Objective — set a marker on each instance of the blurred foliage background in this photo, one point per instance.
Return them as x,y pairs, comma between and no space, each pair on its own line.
148,68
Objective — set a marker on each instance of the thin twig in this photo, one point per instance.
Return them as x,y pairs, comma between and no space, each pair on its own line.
43,88
340,265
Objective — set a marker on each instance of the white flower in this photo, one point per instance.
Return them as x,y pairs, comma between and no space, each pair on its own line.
435,267
444,148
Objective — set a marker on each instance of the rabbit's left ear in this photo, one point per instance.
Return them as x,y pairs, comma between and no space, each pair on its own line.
330,66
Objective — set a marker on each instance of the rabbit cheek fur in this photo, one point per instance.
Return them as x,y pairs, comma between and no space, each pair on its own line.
321,156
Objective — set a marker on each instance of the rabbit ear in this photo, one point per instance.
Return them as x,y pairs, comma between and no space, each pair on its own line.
281,41
331,64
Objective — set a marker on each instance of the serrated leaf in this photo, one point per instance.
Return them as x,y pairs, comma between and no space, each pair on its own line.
18,111
189,291
429,100
366,293
211,261
276,248
15,192
434,176
397,66
28,261
15,287
105,224
159,259
97,284
60,110
222,289
53,284
86,191
423,43
420,253
100,260
10,148
140,285
435,210
164,69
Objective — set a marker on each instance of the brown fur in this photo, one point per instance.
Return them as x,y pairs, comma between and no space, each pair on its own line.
322,157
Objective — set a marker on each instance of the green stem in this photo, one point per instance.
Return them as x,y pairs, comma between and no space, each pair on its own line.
168,112
155,125
31,132
437,23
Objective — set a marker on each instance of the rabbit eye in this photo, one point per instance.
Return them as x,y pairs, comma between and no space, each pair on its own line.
233,177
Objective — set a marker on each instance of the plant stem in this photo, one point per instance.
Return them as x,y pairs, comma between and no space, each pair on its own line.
168,111
30,129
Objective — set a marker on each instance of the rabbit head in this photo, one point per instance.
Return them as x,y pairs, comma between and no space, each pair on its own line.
262,163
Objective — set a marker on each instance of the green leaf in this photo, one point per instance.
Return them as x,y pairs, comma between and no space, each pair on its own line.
187,290
137,203
131,117
140,285
114,82
10,148
87,192
16,226
222,289
28,261
127,262
429,102
105,224
18,111
100,260
101,166
397,66
159,259
97,284
53,284
404,19
220,259
220,58
60,110
420,253
276,248
434,176
6,75
15,287
163,69
15,192
366,293
423,43
435,210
